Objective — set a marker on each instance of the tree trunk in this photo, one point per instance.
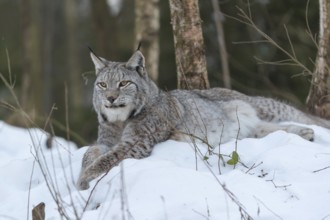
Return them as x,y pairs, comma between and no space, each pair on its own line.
189,44
318,100
50,10
32,89
104,23
75,88
146,32
222,44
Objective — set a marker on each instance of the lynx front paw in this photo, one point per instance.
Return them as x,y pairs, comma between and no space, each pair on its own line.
87,174
82,184
84,179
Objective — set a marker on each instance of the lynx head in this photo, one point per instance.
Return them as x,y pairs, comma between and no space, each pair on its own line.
121,89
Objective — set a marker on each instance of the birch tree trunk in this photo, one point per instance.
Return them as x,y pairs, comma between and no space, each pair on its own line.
146,32
318,100
189,44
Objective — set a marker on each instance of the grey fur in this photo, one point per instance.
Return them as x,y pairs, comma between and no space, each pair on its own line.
134,115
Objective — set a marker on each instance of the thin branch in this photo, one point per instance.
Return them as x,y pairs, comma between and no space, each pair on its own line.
66,98
309,32
287,62
246,19
315,171
254,166
29,192
9,69
250,42
290,42
279,217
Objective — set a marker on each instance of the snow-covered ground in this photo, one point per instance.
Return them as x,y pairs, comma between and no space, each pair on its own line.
282,177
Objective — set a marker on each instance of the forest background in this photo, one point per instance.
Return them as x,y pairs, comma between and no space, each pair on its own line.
44,54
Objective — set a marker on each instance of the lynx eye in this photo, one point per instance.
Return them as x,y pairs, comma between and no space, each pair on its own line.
102,85
124,83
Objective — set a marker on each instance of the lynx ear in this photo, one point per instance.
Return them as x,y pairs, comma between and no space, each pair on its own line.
136,62
98,62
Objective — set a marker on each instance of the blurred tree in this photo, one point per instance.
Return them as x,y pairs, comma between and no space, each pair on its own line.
146,32
50,9
32,86
74,70
222,44
318,100
189,45
104,29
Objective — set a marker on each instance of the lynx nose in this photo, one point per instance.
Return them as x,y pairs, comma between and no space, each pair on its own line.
111,99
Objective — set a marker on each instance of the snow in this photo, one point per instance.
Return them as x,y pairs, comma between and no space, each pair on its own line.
281,176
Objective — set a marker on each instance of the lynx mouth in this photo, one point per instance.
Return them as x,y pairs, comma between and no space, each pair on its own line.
115,106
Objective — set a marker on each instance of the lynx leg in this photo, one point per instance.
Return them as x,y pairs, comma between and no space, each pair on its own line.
92,153
265,128
90,156
306,133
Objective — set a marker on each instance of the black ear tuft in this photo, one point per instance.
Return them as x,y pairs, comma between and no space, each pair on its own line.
98,61
139,46
90,50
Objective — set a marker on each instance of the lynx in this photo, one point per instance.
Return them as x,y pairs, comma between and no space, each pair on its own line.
134,115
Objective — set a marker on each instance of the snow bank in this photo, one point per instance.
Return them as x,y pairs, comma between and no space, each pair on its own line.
281,177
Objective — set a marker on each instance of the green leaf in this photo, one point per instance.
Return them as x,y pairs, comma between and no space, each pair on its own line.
234,158
206,158
231,162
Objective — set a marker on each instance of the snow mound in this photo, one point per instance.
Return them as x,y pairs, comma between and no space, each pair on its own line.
280,176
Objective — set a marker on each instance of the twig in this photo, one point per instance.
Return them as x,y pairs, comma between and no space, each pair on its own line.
309,32
245,18
164,207
238,130
29,192
67,124
279,217
290,42
325,217
250,42
9,69
315,171
276,186
200,214
220,156
254,166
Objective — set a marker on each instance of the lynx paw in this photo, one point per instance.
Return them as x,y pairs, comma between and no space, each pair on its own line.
306,133
83,180
82,184
87,175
